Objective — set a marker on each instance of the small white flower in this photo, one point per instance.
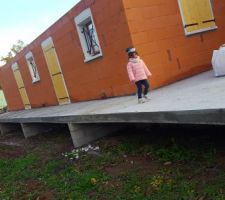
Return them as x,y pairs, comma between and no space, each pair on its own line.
84,149
96,148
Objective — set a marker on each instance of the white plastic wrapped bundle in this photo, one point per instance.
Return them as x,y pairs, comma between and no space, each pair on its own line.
218,61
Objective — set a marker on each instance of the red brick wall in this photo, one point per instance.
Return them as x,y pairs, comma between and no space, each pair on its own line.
10,90
39,93
157,32
103,77
155,28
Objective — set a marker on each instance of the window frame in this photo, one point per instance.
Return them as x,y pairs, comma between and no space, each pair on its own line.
32,73
82,20
187,33
15,66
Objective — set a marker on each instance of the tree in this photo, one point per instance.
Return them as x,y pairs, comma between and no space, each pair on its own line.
15,49
7,58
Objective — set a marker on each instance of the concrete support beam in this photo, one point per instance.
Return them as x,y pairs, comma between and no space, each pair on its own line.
84,133
32,129
9,128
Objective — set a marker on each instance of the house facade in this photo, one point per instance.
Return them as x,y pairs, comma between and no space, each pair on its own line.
82,55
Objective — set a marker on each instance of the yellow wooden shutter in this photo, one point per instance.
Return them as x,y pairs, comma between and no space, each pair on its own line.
197,16
20,86
206,18
55,71
189,15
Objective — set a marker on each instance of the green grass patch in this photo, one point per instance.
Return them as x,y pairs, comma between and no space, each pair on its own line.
130,168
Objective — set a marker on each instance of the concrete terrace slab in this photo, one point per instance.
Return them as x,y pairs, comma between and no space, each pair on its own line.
196,100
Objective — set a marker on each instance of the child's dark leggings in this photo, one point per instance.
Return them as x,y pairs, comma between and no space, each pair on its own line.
139,87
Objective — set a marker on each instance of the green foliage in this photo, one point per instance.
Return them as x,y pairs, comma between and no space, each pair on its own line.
13,172
178,151
175,153
14,50
7,58
215,188
70,182
14,169
111,175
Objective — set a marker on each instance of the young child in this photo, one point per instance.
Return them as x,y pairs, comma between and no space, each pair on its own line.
138,73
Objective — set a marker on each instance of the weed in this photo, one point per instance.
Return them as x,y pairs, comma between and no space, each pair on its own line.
175,153
156,182
127,169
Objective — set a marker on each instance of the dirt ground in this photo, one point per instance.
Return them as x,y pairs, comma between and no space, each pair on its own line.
14,144
154,151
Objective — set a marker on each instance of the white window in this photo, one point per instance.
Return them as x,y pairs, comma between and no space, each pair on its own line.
32,67
88,35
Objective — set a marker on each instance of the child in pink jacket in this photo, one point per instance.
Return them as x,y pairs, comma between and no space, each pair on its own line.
138,73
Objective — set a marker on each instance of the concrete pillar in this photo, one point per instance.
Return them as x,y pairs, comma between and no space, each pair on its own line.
32,129
84,133
9,128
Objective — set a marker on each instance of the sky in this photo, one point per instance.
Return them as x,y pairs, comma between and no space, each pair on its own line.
26,19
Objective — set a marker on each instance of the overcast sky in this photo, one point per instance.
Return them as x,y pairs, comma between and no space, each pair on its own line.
26,19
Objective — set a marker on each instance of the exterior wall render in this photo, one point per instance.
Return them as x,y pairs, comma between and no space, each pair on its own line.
154,27
157,33
99,78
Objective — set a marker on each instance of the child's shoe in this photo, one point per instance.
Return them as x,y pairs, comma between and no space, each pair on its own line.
146,97
141,100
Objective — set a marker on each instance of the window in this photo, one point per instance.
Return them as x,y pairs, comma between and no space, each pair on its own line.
88,35
32,67
197,16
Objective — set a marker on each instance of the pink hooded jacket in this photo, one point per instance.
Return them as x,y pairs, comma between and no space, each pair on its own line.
137,70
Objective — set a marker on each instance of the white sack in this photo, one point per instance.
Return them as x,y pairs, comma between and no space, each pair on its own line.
218,61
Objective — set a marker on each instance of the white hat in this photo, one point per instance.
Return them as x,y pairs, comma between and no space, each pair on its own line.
130,50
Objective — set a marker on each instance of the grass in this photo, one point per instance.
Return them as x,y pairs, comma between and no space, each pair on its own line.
127,167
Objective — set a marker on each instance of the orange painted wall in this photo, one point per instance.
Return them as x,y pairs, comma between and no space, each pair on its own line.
157,32
100,78
153,26
40,94
10,90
